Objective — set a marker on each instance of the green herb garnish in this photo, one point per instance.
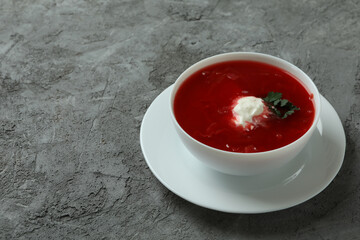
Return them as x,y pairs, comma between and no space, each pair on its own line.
281,107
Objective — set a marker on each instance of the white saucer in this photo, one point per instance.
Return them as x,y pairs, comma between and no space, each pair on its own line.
301,179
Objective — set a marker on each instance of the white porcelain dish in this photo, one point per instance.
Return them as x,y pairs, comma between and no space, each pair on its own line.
245,163
297,181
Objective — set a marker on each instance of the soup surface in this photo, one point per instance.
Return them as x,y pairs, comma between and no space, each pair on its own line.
203,106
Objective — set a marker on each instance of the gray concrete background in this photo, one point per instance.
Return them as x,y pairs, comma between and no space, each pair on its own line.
76,78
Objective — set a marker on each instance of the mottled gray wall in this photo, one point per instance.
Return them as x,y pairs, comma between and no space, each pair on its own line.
76,78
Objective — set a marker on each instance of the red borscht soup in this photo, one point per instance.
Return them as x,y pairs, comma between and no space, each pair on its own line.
203,106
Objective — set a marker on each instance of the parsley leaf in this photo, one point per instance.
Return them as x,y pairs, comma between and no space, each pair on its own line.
281,107
273,96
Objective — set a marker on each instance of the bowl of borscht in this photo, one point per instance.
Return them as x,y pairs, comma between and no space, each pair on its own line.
244,113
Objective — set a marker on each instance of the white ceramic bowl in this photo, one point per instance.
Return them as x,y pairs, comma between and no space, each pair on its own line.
245,163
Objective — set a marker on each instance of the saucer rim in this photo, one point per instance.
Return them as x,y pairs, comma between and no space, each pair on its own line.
322,185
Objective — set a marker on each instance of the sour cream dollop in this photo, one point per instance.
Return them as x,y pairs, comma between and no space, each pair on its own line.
246,108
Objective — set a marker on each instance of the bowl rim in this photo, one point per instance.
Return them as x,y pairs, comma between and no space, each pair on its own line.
216,59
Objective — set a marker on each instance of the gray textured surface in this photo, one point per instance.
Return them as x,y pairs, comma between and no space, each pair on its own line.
76,78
